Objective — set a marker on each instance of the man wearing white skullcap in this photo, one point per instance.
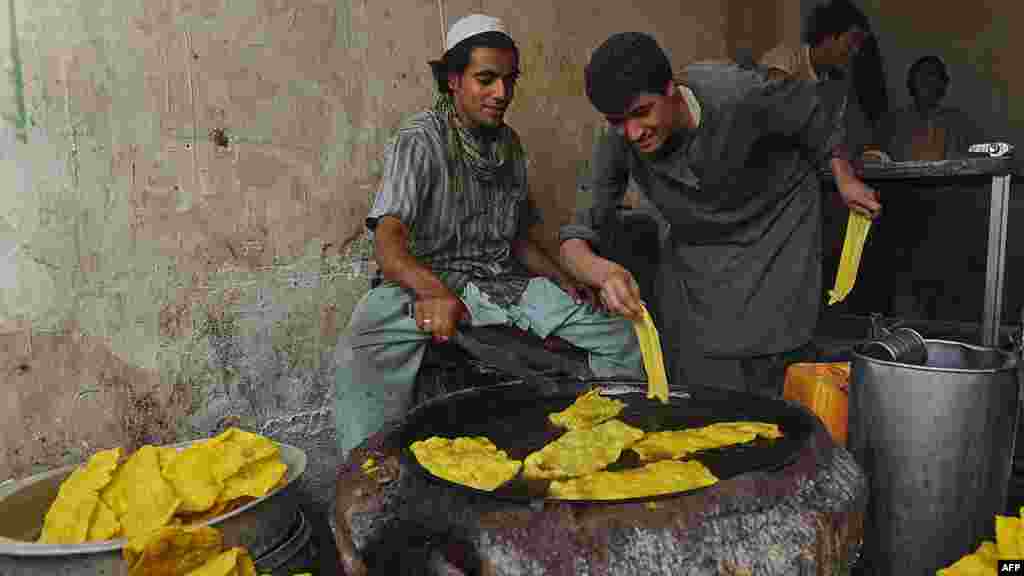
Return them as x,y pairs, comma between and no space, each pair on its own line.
450,223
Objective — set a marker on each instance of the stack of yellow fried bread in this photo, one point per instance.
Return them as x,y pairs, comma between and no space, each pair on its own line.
77,514
674,444
581,452
160,486
587,411
185,551
1009,545
575,463
475,462
663,477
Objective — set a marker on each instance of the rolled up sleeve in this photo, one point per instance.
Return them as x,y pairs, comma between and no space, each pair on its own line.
609,176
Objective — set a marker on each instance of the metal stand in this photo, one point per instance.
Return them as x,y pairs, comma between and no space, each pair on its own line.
1000,170
995,268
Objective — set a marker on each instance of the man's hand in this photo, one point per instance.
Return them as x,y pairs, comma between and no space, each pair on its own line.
440,315
859,197
876,156
539,263
620,294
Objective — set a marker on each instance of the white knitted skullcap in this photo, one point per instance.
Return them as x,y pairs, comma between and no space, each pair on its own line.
469,26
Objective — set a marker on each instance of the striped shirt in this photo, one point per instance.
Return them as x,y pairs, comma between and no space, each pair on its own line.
464,236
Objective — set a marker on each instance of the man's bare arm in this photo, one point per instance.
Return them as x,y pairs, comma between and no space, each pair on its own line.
438,309
391,237
584,265
856,195
537,261
619,291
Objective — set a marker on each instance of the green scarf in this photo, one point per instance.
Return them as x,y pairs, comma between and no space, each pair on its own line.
486,165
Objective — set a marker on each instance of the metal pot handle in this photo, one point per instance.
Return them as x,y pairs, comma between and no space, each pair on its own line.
880,328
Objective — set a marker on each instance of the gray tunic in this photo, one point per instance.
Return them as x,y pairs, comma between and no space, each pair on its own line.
743,198
461,237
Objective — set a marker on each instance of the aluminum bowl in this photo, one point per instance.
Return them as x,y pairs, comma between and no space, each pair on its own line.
260,525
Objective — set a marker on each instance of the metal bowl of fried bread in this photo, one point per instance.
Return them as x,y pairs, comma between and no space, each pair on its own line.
30,508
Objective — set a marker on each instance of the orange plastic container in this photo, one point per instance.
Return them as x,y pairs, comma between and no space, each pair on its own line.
822,388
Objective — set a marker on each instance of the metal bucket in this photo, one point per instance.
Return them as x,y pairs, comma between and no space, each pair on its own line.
266,527
936,442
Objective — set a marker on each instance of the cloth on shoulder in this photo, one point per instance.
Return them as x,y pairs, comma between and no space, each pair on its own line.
794,60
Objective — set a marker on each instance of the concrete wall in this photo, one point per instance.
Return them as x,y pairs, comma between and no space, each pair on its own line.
756,27
184,184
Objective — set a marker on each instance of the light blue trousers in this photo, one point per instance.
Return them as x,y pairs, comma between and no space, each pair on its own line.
380,353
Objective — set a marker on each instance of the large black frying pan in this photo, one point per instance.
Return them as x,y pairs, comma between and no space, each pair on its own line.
515,417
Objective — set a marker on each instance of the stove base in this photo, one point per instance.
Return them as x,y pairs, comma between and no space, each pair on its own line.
806,518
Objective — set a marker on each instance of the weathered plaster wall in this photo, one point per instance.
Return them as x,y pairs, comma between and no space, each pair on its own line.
184,184
753,28
165,280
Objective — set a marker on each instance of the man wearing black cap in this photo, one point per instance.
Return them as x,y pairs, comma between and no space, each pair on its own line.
450,223
730,158
835,32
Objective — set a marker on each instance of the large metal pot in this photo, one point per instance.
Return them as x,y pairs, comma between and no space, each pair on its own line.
936,442
268,527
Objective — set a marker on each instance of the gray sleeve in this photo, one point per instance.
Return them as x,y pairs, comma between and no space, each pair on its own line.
409,173
609,177
813,113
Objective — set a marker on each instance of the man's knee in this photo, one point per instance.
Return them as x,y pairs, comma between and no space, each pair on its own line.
377,308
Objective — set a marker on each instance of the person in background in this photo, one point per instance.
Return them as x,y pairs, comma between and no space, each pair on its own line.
834,33
450,224
730,157
838,46
841,56
927,265
926,129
